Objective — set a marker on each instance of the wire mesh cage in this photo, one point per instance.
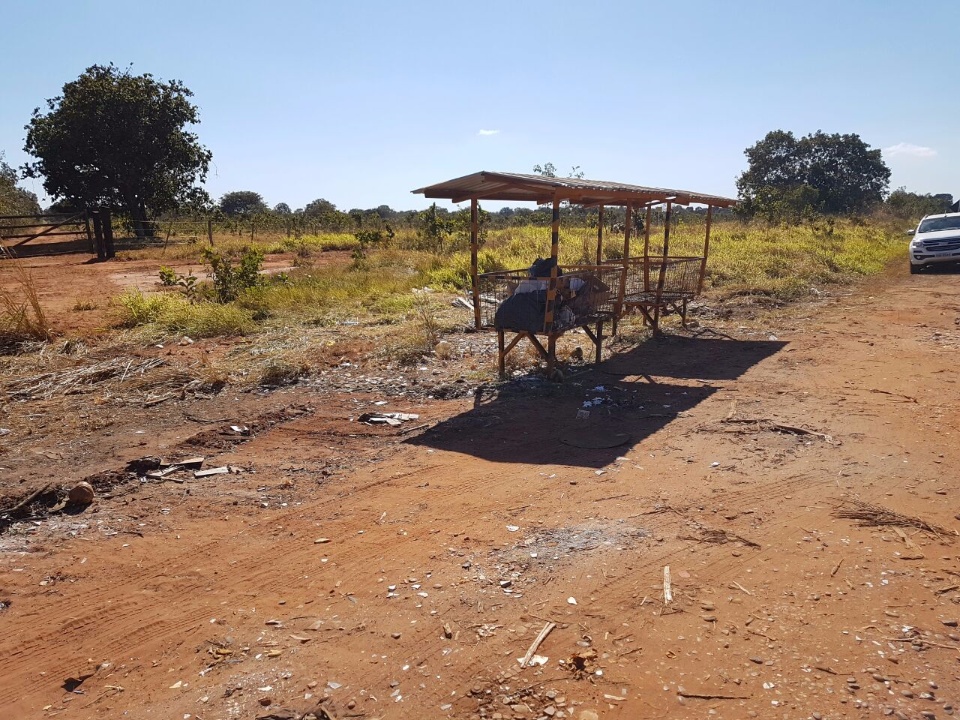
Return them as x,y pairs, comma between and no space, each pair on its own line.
513,300
681,277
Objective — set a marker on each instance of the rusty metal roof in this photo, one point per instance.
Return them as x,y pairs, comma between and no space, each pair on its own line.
486,185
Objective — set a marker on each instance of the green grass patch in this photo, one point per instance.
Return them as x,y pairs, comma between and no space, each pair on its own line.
745,258
173,313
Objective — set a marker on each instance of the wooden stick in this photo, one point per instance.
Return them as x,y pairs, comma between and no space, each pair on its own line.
27,500
667,593
740,587
710,696
536,643
834,571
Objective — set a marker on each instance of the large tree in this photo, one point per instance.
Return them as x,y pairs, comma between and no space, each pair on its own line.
820,172
118,139
242,202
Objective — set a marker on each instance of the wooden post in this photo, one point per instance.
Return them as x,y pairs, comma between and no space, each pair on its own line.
706,250
474,262
663,267
98,234
86,222
555,254
646,249
107,232
621,296
501,354
600,237
210,231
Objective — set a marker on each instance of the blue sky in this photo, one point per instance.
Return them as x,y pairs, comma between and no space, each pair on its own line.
360,102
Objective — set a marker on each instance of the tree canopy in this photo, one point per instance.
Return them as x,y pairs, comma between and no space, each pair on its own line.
14,200
910,205
117,139
242,203
818,172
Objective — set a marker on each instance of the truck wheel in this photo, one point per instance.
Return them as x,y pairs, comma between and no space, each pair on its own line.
915,269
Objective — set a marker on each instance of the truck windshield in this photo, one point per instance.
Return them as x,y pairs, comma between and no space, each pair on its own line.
938,224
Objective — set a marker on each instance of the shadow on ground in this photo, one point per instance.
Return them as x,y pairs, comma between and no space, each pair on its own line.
626,399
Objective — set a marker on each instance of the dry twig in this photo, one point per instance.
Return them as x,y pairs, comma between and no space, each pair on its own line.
871,515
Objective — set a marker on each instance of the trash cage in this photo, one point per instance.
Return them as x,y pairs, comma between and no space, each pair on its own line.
681,277
585,294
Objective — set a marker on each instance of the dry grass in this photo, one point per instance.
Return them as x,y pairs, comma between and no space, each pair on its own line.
22,317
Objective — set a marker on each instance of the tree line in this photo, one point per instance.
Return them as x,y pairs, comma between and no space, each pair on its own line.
124,141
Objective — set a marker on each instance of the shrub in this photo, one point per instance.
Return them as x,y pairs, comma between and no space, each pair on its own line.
229,280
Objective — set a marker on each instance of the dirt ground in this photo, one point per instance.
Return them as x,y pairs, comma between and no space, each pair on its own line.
374,571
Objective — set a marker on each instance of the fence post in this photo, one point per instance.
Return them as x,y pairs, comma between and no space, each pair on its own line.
108,232
86,222
98,234
210,231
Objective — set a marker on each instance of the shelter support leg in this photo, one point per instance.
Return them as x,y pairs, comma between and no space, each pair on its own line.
551,354
597,338
537,344
501,354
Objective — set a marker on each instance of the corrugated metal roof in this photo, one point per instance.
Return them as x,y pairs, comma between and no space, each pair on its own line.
487,185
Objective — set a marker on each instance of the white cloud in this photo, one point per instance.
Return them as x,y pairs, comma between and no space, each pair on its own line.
910,149
488,132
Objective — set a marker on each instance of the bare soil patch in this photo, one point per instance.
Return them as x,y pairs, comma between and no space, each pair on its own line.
353,570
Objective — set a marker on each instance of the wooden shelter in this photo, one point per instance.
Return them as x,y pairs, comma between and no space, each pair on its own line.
613,288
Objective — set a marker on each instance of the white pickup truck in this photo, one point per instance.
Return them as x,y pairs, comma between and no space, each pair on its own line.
936,240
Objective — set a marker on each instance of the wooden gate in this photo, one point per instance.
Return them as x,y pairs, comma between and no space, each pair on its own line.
46,234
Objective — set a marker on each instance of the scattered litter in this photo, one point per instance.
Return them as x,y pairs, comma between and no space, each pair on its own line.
392,419
240,429
4,431
667,591
512,528
334,685
571,600
323,541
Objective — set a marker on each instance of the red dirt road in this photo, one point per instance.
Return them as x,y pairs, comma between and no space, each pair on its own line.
448,549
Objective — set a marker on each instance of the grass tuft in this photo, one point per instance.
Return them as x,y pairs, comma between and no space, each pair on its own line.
22,318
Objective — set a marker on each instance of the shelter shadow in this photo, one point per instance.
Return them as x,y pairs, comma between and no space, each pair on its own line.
535,422
691,358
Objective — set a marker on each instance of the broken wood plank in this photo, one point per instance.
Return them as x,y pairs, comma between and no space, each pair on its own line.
222,470
667,590
160,474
